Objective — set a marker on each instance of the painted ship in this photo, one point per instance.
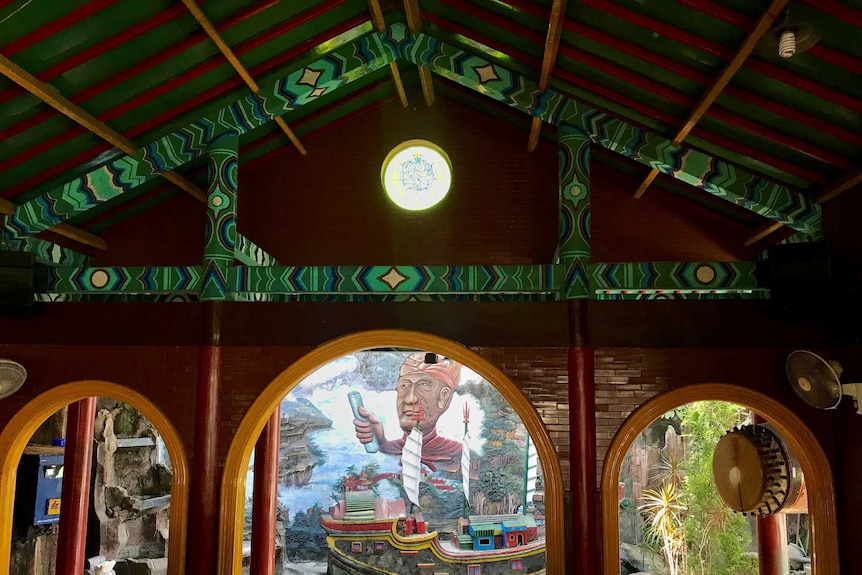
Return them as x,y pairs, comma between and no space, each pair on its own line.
369,535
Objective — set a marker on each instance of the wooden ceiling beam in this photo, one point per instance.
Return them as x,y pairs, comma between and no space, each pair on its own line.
826,193
50,96
549,58
227,52
414,23
714,90
380,24
69,232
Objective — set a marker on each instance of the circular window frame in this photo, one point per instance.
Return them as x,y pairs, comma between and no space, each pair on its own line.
403,198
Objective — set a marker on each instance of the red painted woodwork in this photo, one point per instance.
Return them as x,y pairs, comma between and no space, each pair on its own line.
204,492
75,498
265,493
582,426
771,536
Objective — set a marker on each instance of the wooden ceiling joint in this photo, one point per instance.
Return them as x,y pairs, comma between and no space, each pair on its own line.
227,52
50,96
841,185
380,24
549,58
414,23
69,232
718,84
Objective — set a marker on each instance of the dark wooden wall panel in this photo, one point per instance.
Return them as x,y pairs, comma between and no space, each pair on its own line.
660,226
169,235
329,207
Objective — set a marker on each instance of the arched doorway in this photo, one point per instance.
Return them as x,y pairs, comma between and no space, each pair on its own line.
24,424
822,508
233,485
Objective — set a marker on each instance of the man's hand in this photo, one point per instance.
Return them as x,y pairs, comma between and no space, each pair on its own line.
367,431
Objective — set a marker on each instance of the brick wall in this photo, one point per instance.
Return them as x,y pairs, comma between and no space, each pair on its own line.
625,379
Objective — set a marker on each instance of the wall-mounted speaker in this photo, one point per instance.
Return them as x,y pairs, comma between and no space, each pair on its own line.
16,280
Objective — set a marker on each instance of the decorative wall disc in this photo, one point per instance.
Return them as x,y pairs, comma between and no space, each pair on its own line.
416,174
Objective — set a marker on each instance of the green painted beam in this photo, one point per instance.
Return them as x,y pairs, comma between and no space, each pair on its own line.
125,280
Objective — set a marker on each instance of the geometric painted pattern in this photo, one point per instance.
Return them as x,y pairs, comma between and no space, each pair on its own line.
46,252
394,279
373,51
673,276
220,232
126,280
714,176
249,253
658,295
574,236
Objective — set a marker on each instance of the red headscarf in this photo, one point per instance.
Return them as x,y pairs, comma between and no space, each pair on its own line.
446,370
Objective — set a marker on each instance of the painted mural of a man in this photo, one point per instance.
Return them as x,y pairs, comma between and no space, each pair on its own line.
431,383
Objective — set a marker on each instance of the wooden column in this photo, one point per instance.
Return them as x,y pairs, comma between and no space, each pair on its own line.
584,559
265,493
204,492
771,537
75,498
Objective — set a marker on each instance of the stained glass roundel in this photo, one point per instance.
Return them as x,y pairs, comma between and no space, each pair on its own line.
416,174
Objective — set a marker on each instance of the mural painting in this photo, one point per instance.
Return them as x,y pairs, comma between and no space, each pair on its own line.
405,462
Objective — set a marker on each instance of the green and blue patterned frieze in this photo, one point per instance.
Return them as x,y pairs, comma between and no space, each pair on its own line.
697,169
672,276
394,279
126,280
327,74
405,297
482,76
220,232
574,233
249,253
663,295
47,253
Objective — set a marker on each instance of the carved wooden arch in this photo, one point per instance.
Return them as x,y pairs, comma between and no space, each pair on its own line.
24,424
822,507
233,484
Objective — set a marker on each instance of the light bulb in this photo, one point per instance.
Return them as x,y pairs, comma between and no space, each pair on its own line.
787,44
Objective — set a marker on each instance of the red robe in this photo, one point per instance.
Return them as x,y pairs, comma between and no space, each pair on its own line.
435,448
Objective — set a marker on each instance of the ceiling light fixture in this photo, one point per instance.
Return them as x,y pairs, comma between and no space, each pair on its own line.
416,174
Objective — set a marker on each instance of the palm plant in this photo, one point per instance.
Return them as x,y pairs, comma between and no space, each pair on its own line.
663,509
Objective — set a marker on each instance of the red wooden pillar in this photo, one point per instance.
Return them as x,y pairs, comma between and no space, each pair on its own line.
204,492
771,537
265,492
582,423
75,498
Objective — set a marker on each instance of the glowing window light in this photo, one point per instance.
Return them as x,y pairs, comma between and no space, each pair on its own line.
416,174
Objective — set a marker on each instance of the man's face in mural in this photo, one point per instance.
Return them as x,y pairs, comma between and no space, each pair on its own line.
433,393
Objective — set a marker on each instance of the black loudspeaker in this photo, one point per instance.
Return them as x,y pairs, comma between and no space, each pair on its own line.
16,280
802,278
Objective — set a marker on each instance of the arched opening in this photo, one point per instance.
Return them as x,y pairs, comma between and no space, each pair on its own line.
822,507
233,486
27,421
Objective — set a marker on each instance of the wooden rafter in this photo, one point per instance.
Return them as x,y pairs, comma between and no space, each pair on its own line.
7,208
414,22
380,24
227,52
51,97
552,43
734,64
826,193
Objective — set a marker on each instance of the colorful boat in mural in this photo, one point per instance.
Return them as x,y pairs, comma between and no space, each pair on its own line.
371,535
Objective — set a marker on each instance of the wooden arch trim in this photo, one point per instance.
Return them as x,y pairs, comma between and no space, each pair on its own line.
822,507
233,484
24,424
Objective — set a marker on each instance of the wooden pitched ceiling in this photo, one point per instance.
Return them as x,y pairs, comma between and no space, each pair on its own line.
86,81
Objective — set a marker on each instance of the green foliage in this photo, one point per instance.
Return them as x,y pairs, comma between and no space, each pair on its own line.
305,537
716,537
664,510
